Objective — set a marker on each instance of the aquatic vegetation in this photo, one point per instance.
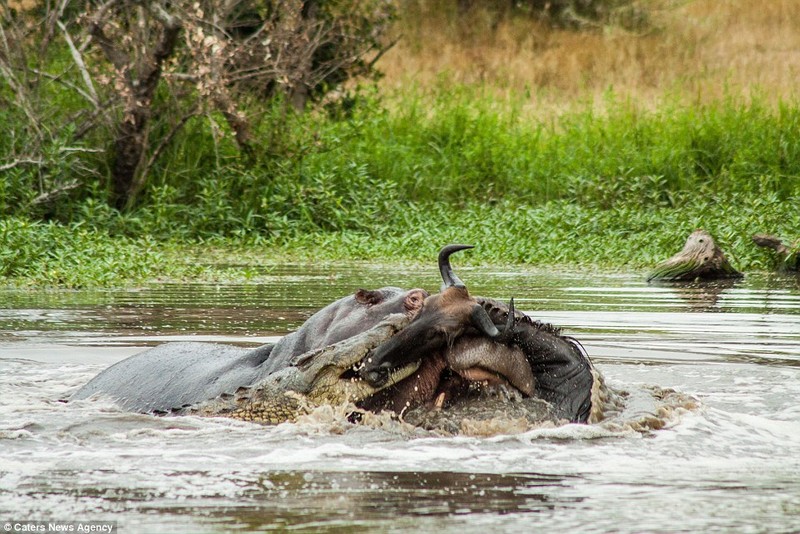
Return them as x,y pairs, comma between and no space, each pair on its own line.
50,254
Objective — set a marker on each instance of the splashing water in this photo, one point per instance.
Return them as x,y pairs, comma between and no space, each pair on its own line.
701,432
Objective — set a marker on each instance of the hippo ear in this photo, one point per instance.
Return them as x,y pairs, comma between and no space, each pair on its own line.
369,297
414,299
482,321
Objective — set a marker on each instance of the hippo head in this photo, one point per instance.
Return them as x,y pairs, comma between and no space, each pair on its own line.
363,310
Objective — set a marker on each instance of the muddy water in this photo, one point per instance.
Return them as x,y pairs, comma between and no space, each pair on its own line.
732,464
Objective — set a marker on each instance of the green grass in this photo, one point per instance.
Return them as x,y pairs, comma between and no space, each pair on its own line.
558,234
50,254
394,179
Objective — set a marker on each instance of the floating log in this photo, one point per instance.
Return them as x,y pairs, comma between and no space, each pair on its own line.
789,255
700,259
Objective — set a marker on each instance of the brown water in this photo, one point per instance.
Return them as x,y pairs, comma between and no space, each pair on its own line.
732,464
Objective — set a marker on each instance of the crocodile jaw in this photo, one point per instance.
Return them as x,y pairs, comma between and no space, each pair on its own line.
332,386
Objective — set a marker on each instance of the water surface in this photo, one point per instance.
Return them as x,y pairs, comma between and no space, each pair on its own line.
733,464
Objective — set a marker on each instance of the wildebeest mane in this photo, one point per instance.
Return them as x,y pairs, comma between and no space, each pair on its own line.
498,311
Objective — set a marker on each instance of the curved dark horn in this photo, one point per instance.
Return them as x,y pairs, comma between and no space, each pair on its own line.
482,321
510,320
448,276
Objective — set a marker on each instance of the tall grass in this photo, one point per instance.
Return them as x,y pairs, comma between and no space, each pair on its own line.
700,49
455,145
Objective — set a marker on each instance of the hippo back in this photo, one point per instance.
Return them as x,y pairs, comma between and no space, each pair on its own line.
177,374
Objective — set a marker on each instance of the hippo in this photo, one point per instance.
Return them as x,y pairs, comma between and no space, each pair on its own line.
329,376
383,350
179,374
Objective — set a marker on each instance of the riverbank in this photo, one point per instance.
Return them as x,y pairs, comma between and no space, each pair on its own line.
396,178
557,234
572,161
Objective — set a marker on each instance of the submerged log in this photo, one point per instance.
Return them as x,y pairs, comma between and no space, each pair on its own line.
700,258
789,255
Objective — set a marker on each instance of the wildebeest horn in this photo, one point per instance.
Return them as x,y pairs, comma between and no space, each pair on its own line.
482,321
510,320
448,276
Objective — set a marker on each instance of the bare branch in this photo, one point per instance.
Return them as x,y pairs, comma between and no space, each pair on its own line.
163,49
78,59
169,21
73,149
53,17
65,83
117,58
383,50
166,140
89,122
50,196
20,92
181,76
18,162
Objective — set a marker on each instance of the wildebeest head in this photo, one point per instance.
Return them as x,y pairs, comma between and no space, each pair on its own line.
443,318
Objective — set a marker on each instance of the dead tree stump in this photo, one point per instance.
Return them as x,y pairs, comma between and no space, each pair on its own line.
789,255
700,259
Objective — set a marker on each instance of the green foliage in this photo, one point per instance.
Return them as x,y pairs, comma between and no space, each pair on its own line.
50,254
557,233
397,178
338,171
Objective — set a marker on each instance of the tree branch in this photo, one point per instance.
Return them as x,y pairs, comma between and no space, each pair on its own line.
163,50
76,57
65,83
50,196
20,92
114,55
382,51
18,162
165,141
